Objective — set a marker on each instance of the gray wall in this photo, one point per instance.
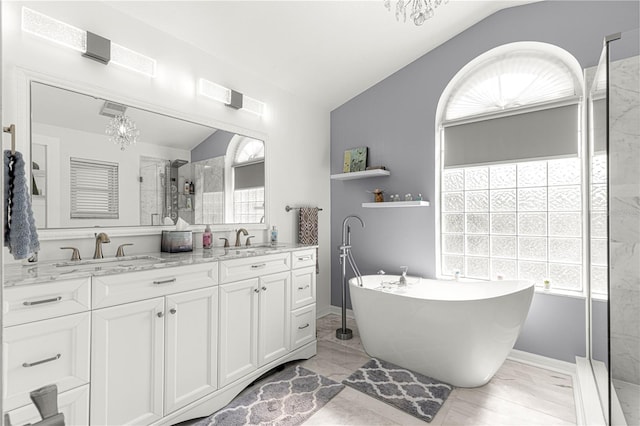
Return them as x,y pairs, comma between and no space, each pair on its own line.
214,146
396,120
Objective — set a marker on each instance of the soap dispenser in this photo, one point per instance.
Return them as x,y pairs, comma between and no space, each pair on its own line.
274,235
207,238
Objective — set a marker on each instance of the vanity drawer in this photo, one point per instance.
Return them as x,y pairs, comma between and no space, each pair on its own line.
54,351
251,267
112,290
303,258
303,282
74,404
36,302
303,326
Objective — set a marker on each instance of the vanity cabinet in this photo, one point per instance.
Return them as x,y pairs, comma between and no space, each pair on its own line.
254,315
47,341
303,302
153,357
157,346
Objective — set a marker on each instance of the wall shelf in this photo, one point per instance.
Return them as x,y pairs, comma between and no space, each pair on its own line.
361,175
395,204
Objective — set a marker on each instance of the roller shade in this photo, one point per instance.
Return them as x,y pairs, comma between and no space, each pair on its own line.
538,134
249,176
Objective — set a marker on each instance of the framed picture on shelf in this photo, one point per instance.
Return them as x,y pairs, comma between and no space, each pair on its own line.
355,159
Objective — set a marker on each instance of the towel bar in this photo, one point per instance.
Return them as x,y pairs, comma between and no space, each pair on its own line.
289,208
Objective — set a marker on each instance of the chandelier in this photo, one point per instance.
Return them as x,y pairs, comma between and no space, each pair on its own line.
418,10
122,131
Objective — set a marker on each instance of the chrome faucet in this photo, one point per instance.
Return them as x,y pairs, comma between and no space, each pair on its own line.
403,278
244,232
101,238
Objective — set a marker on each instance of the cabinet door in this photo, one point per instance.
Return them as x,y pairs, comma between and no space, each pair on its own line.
238,330
191,358
126,363
274,317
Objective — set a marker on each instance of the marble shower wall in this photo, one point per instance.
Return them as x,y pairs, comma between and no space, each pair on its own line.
624,218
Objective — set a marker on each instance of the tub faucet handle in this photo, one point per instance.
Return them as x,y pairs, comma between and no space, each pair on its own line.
403,277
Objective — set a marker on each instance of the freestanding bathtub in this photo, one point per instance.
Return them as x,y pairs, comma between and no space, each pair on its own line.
457,332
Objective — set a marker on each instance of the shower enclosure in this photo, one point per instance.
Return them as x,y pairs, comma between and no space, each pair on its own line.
614,218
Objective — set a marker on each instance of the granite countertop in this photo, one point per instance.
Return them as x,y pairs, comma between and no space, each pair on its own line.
43,272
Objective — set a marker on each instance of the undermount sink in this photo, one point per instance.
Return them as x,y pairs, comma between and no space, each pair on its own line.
115,262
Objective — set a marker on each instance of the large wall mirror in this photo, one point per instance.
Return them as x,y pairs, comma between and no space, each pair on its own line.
96,162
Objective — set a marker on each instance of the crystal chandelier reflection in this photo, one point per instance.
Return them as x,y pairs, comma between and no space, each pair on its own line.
122,131
418,10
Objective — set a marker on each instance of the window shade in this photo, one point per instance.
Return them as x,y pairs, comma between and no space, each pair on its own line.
551,132
94,189
249,175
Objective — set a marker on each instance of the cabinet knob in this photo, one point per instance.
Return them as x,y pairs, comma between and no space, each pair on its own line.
173,311
264,288
160,314
257,290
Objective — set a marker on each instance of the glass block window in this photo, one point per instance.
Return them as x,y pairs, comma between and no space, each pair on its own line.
598,241
248,205
518,221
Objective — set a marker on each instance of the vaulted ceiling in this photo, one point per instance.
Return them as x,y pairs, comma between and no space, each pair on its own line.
325,51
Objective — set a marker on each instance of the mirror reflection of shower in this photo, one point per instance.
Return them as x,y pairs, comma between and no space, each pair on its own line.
153,186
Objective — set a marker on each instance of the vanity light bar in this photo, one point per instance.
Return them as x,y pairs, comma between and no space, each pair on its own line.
228,97
132,60
253,105
59,32
214,91
53,30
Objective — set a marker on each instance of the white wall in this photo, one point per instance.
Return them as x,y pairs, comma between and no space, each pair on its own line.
296,130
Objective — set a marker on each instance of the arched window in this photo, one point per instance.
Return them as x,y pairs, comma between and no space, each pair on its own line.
246,172
510,170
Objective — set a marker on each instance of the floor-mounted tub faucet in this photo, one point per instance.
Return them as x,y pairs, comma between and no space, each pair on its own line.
343,333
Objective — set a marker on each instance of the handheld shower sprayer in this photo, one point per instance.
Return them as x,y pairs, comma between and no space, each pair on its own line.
344,333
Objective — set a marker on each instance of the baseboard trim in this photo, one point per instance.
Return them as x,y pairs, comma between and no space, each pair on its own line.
542,362
336,310
588,409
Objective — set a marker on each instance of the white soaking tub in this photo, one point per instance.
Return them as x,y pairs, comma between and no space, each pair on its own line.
457,332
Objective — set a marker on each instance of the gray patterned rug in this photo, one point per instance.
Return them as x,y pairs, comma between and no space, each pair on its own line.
413,393
287,398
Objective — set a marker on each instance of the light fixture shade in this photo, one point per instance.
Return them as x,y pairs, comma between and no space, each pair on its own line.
253,105
132,60
51,29
214,91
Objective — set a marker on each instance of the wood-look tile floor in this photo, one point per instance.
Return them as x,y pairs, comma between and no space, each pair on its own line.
518,394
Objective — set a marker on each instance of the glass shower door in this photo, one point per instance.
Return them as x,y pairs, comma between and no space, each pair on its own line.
624,227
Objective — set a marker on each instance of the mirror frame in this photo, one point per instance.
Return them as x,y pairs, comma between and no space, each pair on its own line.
25,77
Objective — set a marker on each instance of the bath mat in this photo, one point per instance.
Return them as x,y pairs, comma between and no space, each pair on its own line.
413,393
287,398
